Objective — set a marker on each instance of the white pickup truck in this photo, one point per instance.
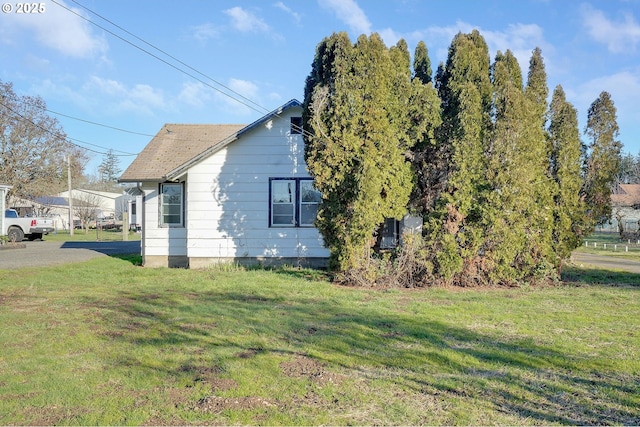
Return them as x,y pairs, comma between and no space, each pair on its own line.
17,228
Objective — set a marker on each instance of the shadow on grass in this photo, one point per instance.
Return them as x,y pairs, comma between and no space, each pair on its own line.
107,247
425,357
304,273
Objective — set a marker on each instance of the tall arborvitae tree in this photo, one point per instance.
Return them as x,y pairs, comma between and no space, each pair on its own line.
425,117
422,63
566,163
356,139
603,161
537,154
506,213
454,229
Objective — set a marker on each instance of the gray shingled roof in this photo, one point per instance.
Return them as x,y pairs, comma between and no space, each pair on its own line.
173,146
178,146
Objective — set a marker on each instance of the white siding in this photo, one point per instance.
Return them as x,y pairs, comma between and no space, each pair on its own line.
228,198
160,241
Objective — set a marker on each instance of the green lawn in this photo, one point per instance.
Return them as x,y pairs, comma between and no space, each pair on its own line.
107,342
610,244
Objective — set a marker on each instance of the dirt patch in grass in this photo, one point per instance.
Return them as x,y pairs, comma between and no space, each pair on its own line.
301,367
209,376
249,353
307,368
217,404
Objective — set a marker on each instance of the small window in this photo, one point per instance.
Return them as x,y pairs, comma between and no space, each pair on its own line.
296,125
171,204
293,202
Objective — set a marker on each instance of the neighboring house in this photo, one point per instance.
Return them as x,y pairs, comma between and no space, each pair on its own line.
625,204
100,204
57,208
133,196
229,193
108,204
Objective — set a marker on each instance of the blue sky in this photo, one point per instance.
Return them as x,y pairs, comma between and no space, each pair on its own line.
260,52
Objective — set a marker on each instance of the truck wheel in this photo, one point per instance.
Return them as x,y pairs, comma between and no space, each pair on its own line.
15,234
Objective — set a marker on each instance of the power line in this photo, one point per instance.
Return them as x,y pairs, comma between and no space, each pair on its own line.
67,138
97,124
163,60
263,110
170,56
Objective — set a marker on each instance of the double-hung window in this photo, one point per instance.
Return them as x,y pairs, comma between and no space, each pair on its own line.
171,204
293,202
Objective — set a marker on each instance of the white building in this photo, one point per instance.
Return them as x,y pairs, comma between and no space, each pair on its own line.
228,193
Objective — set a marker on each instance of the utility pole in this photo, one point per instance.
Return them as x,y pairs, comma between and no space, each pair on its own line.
70,202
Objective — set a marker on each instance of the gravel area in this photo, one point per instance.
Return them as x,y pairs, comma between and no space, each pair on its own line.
43,253
606,262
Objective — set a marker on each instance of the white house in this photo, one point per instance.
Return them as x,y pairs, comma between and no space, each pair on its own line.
228,193
231,193
108,204
625,204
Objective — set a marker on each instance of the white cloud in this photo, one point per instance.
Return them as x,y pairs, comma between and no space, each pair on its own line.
234,102
296,16
350,13
245,21
521,39
57,28
390,37
624,88
243,87
619,37
195,94
205,32
116,97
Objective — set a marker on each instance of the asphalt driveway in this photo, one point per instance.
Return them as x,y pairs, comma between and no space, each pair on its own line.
43,253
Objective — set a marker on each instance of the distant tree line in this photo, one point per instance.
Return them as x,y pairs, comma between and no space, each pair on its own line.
504,185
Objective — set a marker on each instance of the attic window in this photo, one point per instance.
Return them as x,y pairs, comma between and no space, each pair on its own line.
296,125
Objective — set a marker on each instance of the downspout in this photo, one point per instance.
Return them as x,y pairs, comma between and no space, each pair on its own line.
140,210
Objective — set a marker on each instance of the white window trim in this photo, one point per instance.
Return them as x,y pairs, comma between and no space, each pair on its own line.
297,203
161,205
